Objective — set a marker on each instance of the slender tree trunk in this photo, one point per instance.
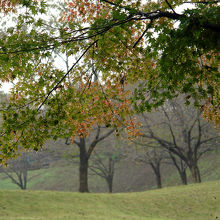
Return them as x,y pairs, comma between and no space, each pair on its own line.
21,178
195,173
20,182
183,177
156,169
111,166
83,168
159,182
181,168
110,184
198,174
25,179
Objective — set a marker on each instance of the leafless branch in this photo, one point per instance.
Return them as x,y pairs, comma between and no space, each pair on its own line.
98,139
95,170
11,177
170,127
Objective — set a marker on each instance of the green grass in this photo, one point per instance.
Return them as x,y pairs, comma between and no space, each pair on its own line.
192,202
35,176
61,178
6,183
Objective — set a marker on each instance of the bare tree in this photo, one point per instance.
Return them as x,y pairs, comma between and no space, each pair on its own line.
17,170
18,167
150,154
180,165
153,155
181,130
103,165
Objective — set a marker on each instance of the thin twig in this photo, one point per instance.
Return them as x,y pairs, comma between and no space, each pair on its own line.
22,106
202,2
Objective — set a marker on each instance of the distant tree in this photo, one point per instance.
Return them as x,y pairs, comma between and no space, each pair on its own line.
155,156
20,168
86,147
180,165
17,170
181,131
103,165
150,154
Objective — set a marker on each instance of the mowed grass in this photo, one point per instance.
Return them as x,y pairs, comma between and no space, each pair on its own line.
192,202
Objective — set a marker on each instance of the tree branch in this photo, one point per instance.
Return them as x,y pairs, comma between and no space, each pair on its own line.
209,139
147,28
101,172
98,139
202,2
198,144
170,6
12,178
61,80
170,127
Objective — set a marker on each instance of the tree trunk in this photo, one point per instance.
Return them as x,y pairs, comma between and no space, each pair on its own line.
183,177
83,175
195,173
83,167
25,179
110,184
111,166
159,182
21,180
156,169
181,168
198,174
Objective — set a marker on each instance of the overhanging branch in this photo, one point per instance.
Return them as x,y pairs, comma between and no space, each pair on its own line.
61,80
170,6
147,28
202,2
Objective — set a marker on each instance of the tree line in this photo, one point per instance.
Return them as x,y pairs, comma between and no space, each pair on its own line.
174,134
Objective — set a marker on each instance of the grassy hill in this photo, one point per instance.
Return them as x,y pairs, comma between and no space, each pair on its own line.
192,202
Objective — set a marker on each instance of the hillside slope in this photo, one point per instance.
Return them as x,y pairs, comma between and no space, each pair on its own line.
192,202
128,177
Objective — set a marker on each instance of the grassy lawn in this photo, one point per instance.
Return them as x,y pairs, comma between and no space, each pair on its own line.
192,202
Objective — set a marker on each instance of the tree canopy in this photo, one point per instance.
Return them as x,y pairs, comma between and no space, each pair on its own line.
126,57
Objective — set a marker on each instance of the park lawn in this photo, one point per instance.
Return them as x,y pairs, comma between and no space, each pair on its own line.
192,202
